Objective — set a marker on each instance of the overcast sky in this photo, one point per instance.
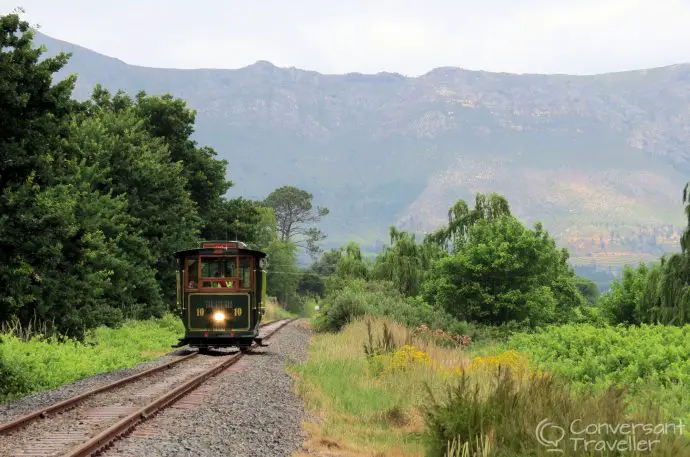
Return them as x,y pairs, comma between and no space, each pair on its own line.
405,36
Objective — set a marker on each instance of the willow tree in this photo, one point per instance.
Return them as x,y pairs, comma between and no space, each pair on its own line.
656,295
461,218
405,262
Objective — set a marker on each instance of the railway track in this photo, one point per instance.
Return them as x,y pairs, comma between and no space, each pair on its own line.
88,423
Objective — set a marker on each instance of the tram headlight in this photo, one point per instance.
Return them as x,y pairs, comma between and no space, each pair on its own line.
219,316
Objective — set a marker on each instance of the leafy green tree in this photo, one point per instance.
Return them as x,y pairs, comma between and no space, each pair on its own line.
656,295
283,274
327,264
311,284
588,289
295,217
405,262
265,229
505,273
461,218
623,302
233,219
351,264
137,166
170,120
37,207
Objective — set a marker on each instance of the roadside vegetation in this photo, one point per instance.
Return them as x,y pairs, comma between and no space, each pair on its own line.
462,343
32,362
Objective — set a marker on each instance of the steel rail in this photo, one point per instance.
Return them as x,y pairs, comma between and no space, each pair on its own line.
73,401
107,436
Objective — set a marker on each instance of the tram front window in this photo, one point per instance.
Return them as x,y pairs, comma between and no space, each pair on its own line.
218,272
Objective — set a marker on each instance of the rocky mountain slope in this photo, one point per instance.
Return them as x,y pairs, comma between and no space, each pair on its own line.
601,160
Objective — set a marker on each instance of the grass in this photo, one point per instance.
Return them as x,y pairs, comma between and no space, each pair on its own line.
361,413
33,363
275,312
420,399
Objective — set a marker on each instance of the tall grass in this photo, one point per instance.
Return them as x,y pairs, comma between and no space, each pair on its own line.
32,362
394,393
275,312
500,416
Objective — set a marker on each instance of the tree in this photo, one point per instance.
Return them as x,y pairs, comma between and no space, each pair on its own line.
505,273
623,302
295,216
351,264
461,218
405,262
588,289
283,274
170,120
311,284
237,218
111,134
328,262
37,206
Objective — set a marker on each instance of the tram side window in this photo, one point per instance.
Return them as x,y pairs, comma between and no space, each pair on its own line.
245,273
192,273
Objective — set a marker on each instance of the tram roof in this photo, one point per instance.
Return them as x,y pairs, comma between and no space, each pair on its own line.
220,248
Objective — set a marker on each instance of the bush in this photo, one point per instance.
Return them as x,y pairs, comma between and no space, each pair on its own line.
611,355
343,308
499,418
355,298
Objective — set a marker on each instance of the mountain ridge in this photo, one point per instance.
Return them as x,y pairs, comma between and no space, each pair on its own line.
44,38
579,152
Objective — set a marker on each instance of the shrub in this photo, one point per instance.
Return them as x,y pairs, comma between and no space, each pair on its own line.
344,307
354,298
500,418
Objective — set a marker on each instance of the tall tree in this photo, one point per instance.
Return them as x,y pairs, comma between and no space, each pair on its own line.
461,218
113,135
37,208
295,217
170,120
405,262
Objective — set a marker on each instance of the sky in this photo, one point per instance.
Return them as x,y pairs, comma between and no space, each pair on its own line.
410,37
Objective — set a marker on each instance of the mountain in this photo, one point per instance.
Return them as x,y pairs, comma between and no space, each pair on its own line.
600,160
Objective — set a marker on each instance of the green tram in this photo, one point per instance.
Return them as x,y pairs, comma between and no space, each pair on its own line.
221,293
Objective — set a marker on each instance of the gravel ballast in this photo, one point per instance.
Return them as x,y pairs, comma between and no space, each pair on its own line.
250,409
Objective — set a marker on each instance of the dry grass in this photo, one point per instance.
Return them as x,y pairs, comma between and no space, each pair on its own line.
356,411
275,312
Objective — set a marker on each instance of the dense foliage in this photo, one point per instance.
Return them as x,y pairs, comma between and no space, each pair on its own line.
505,272
611,355
96,196
485,267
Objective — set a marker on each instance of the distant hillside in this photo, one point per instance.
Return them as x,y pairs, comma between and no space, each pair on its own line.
601,160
